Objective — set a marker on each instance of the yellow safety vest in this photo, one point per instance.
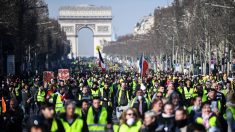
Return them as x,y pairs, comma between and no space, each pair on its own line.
54,126
59,104
101,125
109,96
79,97
17,90
120,95
76,126
135,99
180,89
134,85
190,109
212,121
115,127
134,128
89,82
95,93
232,109
41,96
188,94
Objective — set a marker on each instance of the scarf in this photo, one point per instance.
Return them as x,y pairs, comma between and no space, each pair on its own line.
206,120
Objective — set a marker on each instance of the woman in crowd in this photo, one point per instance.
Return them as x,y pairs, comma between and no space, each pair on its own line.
175,100
195,110
208,118
149,124
130,121
166,120
157,106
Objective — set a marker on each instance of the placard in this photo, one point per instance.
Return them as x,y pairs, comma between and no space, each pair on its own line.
63,74
47,76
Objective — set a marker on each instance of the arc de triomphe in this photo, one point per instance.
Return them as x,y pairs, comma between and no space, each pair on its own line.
98,19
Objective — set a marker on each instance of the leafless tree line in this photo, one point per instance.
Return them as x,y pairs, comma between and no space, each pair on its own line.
27,32
198,32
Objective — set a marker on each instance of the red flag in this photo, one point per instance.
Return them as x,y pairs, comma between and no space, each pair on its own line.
4,106
143,66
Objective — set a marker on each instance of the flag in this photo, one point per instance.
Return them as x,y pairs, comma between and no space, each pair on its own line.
101,62
143,65
4,106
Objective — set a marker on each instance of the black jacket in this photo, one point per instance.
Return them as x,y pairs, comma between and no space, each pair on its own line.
150,128
12,120
136,105
165,123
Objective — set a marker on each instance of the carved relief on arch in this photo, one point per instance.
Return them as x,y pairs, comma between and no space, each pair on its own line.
68,29
91,26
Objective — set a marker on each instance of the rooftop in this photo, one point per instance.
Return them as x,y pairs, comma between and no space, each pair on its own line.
85,7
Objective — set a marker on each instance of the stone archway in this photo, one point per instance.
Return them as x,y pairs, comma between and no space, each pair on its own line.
85,40
98,19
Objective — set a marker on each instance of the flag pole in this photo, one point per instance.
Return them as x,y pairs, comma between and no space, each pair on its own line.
142,66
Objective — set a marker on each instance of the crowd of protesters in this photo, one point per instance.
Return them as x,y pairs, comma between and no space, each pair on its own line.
97,101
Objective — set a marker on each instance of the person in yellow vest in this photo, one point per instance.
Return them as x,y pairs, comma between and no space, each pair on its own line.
71,121
180,87
48,121
146,92
222,89
122,99
199,91
130,121
216,105
219,95
84,111
84,95
188,91
195,110
95,91
59,104
134,85
41,96
208,118
89,82
97,117
154,88
230,112
106,96
140,103
17,89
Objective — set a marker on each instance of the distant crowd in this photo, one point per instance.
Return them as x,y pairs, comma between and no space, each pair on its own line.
96,101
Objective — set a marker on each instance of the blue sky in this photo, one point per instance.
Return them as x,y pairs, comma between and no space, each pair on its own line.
126,13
